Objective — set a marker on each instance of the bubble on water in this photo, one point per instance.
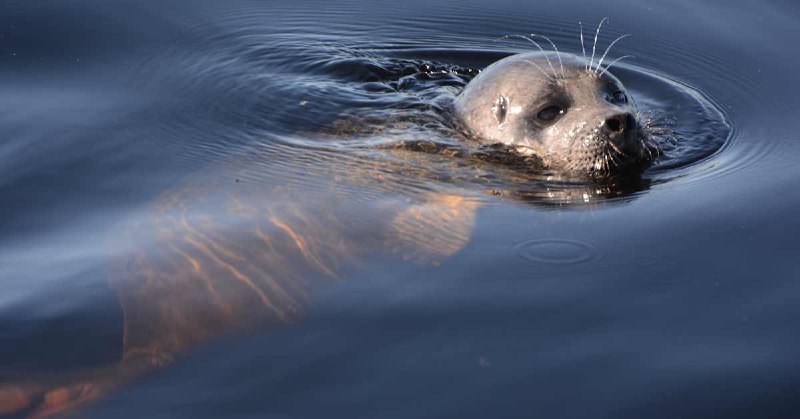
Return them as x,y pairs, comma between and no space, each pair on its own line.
556,251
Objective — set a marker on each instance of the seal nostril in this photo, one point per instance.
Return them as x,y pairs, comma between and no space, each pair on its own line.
614,125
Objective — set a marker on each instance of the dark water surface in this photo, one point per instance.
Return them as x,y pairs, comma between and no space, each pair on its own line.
221,209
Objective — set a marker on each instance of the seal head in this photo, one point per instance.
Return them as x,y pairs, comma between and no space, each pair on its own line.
579,121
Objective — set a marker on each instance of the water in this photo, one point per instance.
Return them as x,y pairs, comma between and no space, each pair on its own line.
207,211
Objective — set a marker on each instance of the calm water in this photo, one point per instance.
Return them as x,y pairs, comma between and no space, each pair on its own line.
230,209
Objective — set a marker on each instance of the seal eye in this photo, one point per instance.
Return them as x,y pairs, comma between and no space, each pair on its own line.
619,96
550,113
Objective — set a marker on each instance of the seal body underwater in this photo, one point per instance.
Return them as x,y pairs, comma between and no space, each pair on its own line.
576,118
224,254
216,256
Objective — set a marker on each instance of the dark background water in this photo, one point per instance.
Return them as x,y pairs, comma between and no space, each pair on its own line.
680,300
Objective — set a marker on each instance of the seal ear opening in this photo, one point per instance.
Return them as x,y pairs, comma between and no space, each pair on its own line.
500,109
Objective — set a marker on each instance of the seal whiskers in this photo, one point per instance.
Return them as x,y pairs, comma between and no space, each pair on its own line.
547,58
549,77
614,62
609,49
583,47
594,46
560,63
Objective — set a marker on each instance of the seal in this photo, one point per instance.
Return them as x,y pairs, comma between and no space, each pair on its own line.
217,255
573,116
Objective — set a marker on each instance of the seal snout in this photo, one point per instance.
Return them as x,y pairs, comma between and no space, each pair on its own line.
621,131
620,124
